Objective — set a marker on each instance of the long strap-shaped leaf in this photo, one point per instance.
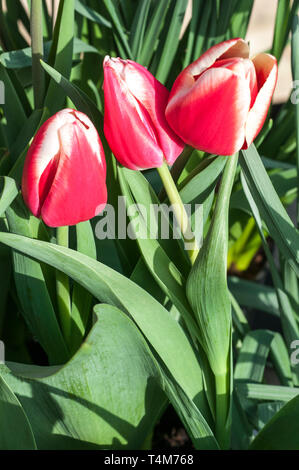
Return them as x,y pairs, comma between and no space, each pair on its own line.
272,211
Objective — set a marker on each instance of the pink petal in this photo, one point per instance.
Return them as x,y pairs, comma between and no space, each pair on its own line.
134,122
40,158
43,164
232,48
78,191
212,116
266,72
127,125
154,96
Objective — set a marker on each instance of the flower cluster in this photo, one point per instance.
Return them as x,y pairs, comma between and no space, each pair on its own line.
217,104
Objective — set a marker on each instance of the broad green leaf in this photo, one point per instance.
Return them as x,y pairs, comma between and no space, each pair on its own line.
107,396
111,287
281,432
15,429
266,411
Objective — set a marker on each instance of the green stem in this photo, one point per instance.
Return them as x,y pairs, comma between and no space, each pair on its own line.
36,27
179,211
222,378
63,289
222,407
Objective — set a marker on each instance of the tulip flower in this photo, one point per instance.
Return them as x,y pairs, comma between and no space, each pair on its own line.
219,103
134,121
64,178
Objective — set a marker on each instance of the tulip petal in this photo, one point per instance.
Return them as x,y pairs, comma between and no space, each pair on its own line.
212,116
231,48
39,160
127,125
78,191
153,96
134,122
266,72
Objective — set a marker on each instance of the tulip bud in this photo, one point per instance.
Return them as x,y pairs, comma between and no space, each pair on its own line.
64,177
134,120
219,103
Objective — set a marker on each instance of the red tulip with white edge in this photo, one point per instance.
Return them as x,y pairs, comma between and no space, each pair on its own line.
219,103
134,119
64,177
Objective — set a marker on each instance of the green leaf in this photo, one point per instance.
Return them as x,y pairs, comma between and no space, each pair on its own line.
253,356
196,188
164,271
272,211
119,27
171,41
153,31
111,287
138,27
281,432
254,295
62,51
91,14
283,21
80,99
81,298
261,392
207,284
209,297
289,324
22,58
15,429
106,396
32,290
14,113
8,192
295,73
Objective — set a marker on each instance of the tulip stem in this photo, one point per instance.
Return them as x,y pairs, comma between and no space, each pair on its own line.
222,407
37,46
179,211
63,289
